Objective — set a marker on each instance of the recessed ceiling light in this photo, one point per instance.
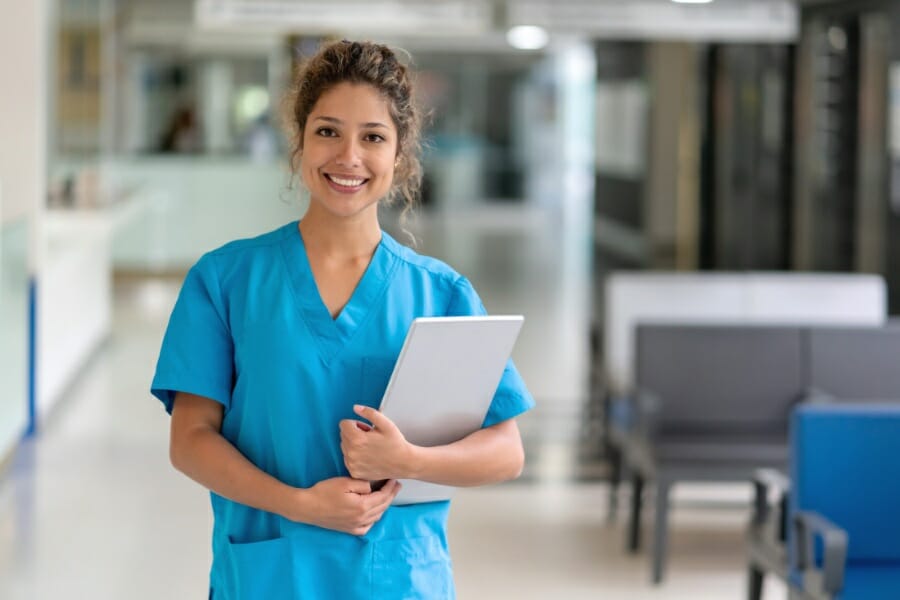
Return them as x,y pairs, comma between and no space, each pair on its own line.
527,37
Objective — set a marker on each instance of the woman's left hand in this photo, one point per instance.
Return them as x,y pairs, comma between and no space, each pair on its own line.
375,453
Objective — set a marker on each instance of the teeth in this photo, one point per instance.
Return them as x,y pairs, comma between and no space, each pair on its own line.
346,182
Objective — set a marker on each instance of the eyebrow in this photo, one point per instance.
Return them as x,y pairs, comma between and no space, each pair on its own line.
339,122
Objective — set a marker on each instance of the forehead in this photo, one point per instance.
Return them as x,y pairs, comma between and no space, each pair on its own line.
353,103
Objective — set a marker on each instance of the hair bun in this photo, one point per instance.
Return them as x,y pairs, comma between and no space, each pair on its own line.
355,50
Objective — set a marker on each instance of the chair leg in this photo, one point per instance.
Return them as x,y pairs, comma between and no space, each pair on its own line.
661,530
754,583
615,478
634,525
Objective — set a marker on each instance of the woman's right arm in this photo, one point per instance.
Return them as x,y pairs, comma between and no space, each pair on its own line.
198,449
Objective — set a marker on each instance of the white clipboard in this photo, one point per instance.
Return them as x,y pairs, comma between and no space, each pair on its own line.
443,383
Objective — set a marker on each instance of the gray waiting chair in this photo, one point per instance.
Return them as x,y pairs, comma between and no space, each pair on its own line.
855,362
713,404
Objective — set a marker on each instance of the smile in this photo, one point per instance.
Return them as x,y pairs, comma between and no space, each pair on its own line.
346,183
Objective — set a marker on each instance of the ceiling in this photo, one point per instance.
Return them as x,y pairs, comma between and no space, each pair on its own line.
437,24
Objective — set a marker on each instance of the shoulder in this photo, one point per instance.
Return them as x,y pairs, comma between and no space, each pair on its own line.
237,248
427,266
239,253
234,265
455,292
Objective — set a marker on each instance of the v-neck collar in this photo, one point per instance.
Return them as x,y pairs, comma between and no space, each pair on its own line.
332,334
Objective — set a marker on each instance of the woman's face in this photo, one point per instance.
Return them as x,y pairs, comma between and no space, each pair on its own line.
349,149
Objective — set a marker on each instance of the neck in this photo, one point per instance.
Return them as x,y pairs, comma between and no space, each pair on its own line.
340,238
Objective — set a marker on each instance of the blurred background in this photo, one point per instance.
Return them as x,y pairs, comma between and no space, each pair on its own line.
567,140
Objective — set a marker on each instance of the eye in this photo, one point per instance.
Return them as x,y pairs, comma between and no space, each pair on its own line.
326,132
374,137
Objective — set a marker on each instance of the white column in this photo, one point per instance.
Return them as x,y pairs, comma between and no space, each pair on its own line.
24,51
215,95
576,74
24,41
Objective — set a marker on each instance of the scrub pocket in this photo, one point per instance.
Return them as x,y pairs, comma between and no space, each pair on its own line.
261,571
412,569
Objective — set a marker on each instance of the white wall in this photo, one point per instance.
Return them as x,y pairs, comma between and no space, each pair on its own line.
23,118
23,158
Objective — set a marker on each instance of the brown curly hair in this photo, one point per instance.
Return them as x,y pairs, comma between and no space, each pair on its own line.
375,65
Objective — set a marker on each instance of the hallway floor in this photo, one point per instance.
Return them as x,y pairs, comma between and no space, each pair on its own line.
92,509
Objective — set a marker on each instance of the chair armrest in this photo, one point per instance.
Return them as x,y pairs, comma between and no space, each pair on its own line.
809,526
771,489
647,408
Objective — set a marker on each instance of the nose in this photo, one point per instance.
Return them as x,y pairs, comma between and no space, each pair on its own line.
348,153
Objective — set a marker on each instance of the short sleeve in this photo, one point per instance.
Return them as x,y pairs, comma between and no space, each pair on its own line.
512,397
197,354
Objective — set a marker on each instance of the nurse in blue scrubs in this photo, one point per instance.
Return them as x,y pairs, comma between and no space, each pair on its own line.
279,348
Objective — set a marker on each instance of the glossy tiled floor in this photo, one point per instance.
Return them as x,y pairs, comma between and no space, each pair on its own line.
92,509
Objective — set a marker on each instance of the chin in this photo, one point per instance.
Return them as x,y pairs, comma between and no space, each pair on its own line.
352,212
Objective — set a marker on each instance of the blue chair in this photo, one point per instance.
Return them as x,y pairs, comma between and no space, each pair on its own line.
842,523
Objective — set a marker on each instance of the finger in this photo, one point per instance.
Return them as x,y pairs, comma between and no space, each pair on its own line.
385,503
376,499
366,522
387,495
348,428
376,512
361,531
351,437
376,417
396,490
391,487
393,493
358,486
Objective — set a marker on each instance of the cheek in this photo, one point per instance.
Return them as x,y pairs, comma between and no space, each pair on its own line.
305,171
307,160
386,164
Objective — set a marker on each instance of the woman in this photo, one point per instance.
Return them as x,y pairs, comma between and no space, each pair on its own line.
278,345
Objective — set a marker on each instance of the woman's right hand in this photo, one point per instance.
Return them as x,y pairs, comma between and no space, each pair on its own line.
199,451
345,504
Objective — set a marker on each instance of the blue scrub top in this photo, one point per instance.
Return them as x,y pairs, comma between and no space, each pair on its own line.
249,330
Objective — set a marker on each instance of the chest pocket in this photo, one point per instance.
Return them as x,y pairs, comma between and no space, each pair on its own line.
376,373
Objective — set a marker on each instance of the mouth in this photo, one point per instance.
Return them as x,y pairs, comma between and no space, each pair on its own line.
345,183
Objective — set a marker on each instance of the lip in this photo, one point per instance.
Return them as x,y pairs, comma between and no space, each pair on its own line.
344,189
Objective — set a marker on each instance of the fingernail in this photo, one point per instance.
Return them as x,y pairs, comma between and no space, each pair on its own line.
358,407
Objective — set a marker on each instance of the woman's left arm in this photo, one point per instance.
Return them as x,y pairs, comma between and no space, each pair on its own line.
489,455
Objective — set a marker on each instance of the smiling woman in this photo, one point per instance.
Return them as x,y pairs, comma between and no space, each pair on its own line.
347,159
266,365
386,88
